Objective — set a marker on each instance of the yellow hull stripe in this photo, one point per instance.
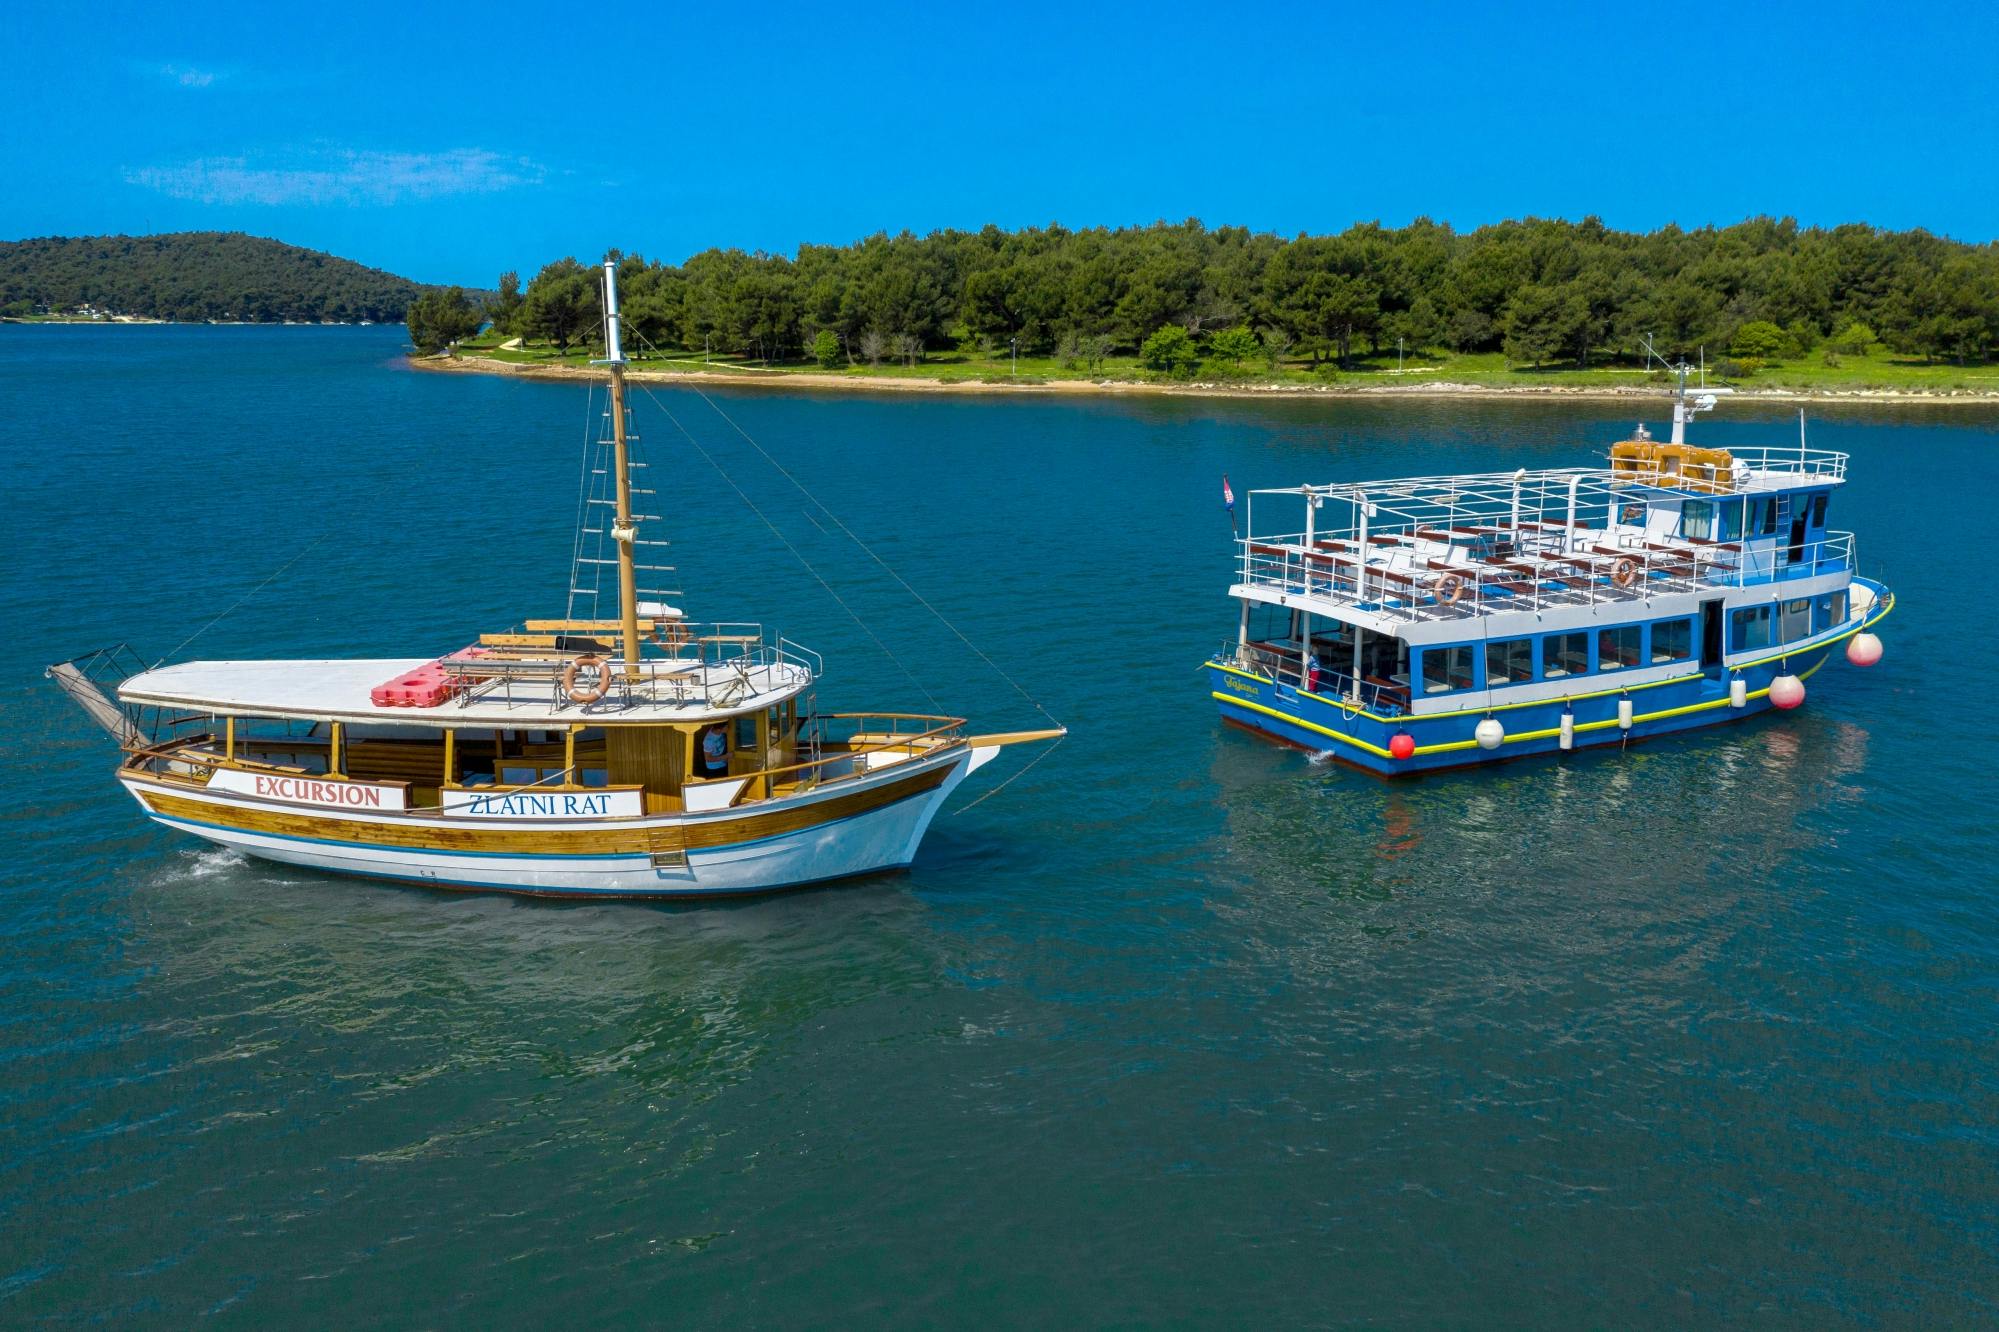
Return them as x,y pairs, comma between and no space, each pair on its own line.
1454,745
1347,710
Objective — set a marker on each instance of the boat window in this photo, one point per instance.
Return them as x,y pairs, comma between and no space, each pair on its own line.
1672,640
1509,661
746,732
1818,510
1697,520
1618,648
1730,527
1832,609
1447,668
1797,620
1749,628
1564,655
1769,526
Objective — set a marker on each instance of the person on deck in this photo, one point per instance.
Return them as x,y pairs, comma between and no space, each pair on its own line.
715,751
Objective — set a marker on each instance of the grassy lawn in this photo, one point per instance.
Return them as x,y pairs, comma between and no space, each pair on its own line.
968,363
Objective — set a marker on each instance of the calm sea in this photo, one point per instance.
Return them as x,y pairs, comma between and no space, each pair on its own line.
1179,1028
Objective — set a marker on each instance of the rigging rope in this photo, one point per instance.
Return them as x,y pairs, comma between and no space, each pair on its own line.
1025,768
584,494
240,600
796,554
869,551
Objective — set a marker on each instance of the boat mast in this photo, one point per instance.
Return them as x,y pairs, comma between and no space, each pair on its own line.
624,530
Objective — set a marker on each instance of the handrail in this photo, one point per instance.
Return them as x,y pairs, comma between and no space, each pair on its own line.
1537,569
897,741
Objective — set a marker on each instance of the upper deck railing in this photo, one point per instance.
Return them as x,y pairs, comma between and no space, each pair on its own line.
682,664
1435,574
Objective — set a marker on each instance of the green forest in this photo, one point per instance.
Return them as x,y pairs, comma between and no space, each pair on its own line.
1177,299
195,275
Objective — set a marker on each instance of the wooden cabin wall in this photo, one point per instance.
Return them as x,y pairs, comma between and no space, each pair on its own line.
654,757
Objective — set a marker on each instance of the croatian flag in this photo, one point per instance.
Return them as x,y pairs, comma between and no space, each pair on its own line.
1228,496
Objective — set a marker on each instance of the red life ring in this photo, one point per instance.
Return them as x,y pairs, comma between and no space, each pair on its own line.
1624,573
589,661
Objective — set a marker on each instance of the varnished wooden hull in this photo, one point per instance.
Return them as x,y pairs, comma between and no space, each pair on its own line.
855,827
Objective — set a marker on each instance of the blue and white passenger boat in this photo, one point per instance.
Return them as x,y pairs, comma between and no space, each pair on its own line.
1442,621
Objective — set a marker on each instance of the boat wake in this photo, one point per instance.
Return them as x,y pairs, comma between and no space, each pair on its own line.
206,863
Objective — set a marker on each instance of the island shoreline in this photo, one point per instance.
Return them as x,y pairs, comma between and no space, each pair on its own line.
805,381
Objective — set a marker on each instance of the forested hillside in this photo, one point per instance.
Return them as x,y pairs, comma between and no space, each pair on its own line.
195,275
1541,291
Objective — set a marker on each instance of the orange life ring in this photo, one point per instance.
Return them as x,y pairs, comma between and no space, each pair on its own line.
1624,573
589,661
1449,588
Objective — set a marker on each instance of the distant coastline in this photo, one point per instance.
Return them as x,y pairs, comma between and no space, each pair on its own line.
799,381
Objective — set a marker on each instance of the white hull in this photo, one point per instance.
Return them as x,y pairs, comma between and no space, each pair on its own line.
883,838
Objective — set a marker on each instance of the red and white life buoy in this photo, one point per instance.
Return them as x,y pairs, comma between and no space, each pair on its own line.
1449,588
1624,573
601,685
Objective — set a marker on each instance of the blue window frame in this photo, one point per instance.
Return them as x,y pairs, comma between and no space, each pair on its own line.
1448,669
1697,520
1565,655
1672,640
1619,646
1750,628
1730,526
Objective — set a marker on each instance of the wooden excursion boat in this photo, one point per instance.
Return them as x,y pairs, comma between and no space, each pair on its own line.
640,755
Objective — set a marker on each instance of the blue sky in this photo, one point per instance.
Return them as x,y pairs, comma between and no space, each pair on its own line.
448,144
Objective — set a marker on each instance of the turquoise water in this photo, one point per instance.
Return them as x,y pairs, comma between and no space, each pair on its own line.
1177,1028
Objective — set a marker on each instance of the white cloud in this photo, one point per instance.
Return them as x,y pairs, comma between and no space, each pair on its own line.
338,176
187,76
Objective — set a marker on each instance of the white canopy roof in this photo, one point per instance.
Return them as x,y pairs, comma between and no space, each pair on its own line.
338,690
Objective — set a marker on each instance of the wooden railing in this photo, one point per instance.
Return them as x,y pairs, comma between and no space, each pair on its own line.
930,734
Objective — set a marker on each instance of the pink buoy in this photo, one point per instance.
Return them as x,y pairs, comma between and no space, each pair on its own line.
1863,649
1786,692
1402,745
